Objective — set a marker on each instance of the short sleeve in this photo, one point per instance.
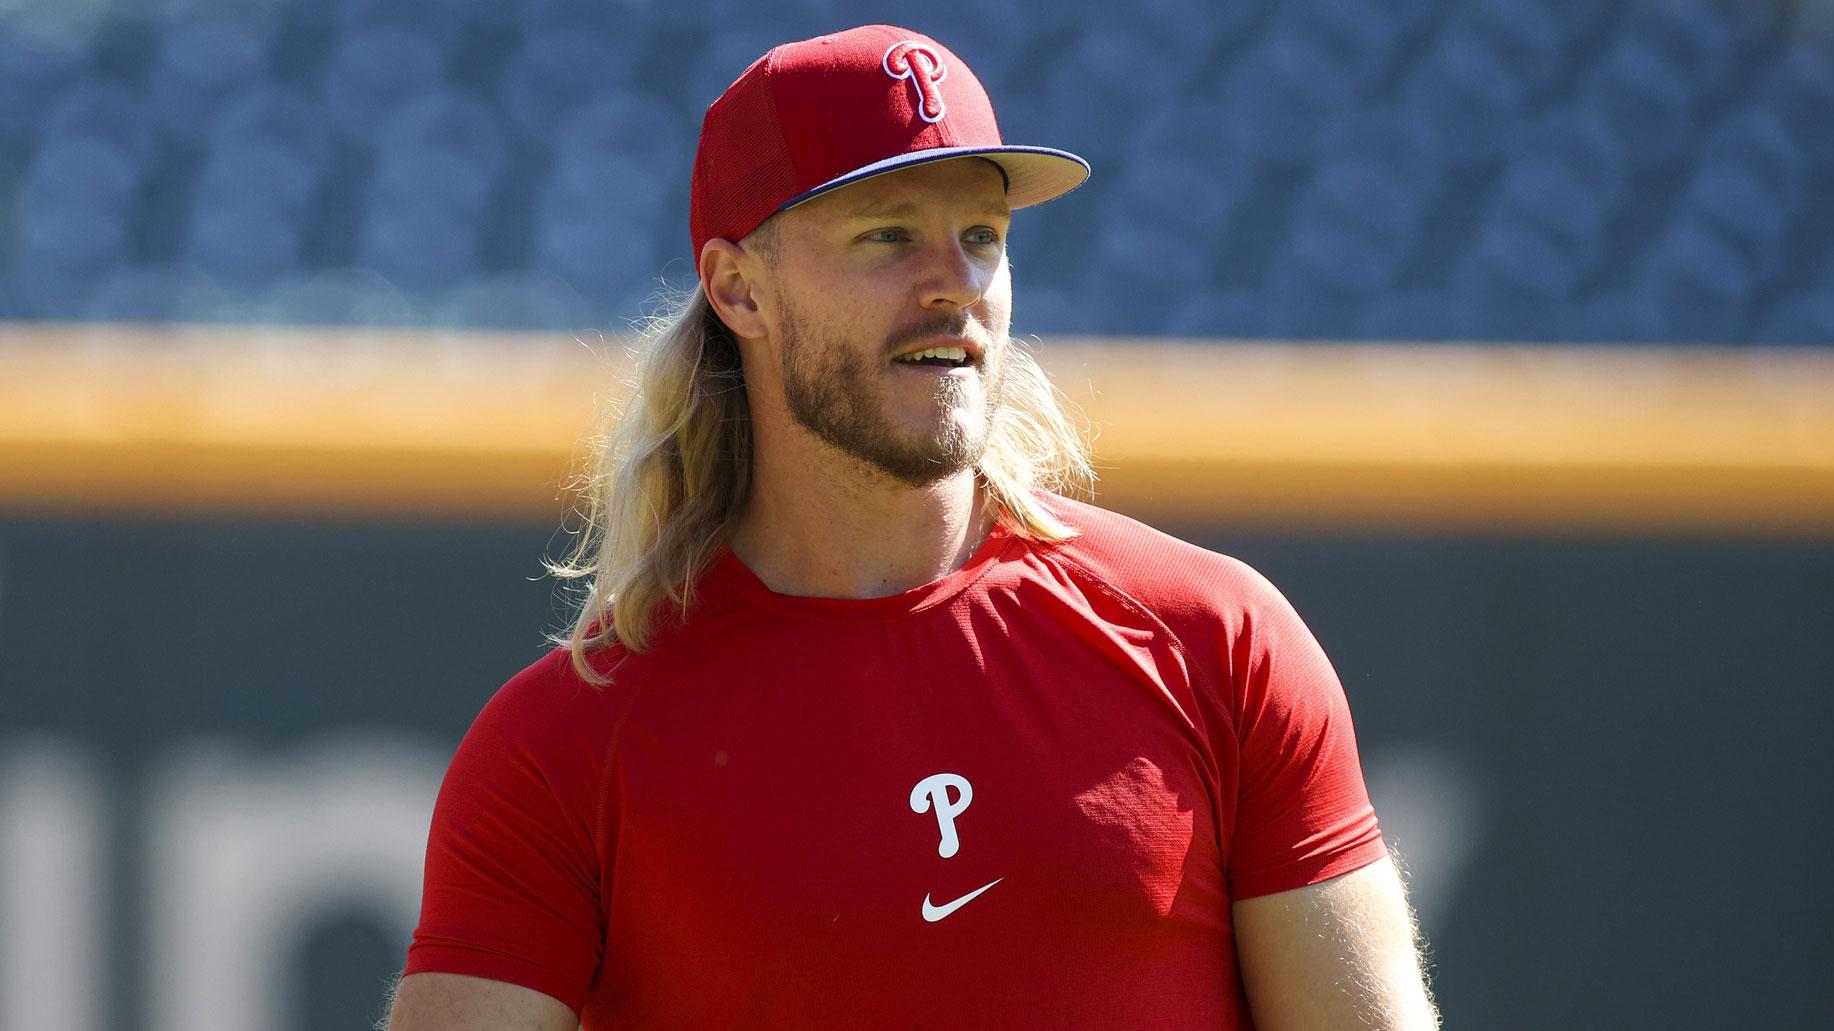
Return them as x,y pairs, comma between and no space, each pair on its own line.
512,889
1302,811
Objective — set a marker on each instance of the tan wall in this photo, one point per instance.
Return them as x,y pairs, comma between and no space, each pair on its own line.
232,420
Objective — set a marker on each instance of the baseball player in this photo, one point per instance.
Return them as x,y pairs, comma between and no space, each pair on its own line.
864,724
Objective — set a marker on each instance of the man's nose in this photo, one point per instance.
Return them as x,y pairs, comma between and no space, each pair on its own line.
952,276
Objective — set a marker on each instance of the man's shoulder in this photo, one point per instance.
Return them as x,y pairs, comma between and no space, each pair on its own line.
550,697
1169,575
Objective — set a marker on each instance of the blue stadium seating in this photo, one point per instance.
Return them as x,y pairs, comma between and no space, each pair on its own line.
438,20
1366,36
1641,96
34,71
1706,38
1420,169
158,293
1280,98
1578,145
446,124
1046,308
254,174
282,119
1210,314
1556,202
1382,137
1702,288
1805,320
1177,31
105,112
599,246
1618,317
1519,277
559,69
1530,43
247,244
72,224
1192,196
623,142
376,72
1104,81
1750,215
521,300
1798,88
200,71
339,297
1464,100
1410,315
1326,278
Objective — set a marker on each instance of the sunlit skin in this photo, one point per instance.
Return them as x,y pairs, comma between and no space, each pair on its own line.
863,466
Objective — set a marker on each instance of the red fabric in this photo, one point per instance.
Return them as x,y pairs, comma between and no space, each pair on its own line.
727,836
815,110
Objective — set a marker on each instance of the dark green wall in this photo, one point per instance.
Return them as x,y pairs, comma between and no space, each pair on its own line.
1604,759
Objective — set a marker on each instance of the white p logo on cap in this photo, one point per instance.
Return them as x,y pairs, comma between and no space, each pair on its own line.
909,59
933,792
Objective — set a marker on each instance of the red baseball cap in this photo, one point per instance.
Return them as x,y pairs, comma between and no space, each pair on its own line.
814,116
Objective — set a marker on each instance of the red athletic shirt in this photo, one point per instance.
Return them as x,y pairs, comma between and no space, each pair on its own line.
1023,795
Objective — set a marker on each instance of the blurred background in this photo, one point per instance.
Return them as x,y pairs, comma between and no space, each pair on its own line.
1498,333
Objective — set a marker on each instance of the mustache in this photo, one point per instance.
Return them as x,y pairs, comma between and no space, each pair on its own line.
958,324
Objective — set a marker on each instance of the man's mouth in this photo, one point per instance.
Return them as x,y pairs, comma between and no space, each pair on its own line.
937,357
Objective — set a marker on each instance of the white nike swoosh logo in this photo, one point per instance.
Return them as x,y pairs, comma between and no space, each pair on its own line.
933,913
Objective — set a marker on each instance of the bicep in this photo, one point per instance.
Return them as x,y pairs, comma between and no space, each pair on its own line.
1338,954
455,1002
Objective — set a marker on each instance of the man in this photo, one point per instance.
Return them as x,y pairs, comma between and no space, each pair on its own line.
860,726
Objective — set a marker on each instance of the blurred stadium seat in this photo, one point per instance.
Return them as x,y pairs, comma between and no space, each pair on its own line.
559,69
1520,277
1464,100
1798,87
1210,314
376,72
34,70
600,246
158,293
1367,36
1412,315
449,124
244,242
107,113
200,71
339,297
532,300
279,118
1641,95
1105,81
1702,288
1805,320
1493,169
72,223
624,142
1280,97
437,20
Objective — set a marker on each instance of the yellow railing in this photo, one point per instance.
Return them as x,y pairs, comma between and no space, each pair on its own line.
121,420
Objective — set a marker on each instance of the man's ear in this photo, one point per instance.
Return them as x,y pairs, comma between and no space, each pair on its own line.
727,276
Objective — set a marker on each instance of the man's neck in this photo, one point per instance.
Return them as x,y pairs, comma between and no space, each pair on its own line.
855,533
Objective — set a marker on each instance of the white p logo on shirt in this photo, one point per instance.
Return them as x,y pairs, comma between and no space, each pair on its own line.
933,791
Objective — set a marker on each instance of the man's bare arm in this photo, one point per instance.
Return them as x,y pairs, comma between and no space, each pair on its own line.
1338,955
454,1002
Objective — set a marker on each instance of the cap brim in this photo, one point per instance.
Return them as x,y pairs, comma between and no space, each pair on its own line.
1033,174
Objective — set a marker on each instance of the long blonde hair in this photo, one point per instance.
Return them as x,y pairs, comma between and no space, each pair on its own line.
668,476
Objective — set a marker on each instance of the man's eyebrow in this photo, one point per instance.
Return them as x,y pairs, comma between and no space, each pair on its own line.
908,209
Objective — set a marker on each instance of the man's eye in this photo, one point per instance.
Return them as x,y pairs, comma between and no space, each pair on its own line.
886,235
985,236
